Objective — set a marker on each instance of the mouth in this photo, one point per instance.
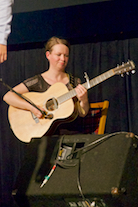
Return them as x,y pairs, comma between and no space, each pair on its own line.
62,63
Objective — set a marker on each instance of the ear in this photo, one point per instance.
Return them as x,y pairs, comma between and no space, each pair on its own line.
47,54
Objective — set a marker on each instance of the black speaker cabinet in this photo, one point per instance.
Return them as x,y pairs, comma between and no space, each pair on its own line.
92,170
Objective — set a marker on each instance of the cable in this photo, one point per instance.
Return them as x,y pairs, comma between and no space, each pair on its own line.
78,179
97,142
46,178
79,184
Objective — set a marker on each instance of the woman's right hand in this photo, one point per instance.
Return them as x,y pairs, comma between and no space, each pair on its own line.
36,112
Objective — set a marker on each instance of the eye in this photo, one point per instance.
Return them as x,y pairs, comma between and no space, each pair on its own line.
58,54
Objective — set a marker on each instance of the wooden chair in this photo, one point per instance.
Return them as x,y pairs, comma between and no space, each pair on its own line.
95,120
103,107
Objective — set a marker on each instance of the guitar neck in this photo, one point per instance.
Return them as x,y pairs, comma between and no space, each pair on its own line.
93,82
99,79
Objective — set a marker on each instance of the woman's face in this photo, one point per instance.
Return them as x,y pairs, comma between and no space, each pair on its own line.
58,57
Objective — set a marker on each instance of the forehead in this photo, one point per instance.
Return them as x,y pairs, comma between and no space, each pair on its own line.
60,48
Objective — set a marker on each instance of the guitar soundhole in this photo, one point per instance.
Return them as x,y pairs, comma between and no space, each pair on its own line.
51,104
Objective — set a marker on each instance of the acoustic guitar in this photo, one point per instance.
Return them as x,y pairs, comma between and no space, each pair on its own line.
58,104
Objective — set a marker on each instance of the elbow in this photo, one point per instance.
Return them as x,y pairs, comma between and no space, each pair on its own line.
5,97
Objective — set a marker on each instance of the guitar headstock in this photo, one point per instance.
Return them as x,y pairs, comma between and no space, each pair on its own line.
125,68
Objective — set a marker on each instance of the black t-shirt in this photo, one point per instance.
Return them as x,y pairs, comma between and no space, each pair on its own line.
38,84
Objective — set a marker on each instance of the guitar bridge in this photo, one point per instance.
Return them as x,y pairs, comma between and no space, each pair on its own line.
48,116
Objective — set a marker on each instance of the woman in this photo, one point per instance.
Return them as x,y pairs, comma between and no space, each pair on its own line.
57,53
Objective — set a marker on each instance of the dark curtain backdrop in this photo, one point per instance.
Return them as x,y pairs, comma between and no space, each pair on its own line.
93,58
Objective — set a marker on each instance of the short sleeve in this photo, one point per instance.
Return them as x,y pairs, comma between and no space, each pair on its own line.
36,84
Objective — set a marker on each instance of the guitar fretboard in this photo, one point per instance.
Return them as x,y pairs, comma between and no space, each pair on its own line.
93,82
99,79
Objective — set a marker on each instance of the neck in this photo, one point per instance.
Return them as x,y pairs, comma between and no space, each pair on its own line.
52,76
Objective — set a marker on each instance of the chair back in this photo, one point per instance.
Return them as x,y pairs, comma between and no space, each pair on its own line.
102,108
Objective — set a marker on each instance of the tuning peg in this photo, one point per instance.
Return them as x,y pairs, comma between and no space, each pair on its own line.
127,73
122,75
133,71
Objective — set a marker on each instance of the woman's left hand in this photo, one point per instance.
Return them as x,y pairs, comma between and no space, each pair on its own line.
82,94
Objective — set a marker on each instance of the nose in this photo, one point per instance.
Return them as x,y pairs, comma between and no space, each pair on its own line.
62,57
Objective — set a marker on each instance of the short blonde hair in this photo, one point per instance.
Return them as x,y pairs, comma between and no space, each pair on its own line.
54,41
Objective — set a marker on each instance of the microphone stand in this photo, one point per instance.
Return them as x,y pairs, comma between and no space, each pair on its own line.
23,97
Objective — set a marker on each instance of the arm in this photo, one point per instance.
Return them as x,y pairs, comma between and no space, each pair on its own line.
14,100
5,26
83,99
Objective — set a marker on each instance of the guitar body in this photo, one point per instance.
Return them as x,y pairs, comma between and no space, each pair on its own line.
22,122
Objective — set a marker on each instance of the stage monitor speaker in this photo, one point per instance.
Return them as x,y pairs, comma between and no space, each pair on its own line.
92,170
